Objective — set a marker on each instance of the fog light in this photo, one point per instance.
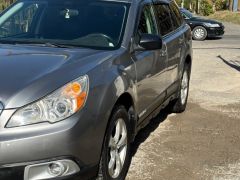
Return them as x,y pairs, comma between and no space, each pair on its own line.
56,169
49,170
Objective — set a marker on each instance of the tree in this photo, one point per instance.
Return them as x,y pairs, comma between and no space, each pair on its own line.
230,3
206,7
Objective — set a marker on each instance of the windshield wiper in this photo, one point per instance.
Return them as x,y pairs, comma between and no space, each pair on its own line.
48,44
45,44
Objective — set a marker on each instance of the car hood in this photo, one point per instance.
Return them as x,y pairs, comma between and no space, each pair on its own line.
204,20
28,73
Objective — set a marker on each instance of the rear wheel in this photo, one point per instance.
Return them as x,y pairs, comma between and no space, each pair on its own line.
116,157
179,105
199,33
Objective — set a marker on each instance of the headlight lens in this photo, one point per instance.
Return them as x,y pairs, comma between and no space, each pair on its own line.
212,25
57,106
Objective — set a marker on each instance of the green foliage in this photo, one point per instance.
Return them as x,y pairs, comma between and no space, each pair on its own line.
186,3
179,2
227,16
5,3
221,4
206,8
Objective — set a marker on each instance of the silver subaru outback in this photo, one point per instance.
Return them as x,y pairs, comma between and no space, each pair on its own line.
79,79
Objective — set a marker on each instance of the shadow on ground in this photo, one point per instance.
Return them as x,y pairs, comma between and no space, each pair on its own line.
214,38
232,63
144,133
217,48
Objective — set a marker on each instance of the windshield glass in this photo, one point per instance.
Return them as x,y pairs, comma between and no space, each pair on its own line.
93,24
187,13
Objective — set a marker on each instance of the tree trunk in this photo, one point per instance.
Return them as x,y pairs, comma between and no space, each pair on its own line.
230,5
182,4
197,7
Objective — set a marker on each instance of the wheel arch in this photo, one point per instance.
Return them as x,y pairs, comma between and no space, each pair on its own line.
126,100
188,60
119,92
199,24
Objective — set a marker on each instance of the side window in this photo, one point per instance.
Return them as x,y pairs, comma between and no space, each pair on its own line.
176,15
147,24
20,23
164,18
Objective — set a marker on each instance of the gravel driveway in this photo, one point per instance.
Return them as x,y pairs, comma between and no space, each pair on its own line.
204,142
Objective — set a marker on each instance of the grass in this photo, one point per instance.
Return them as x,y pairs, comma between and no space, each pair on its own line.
227,16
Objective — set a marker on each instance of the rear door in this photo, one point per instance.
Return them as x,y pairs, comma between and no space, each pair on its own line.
173,38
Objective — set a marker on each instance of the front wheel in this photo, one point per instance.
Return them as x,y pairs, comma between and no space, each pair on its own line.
116,156
199,33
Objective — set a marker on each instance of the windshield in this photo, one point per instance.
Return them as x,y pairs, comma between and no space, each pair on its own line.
187,13
93,24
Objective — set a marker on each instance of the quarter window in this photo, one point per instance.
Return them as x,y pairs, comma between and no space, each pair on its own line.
164,18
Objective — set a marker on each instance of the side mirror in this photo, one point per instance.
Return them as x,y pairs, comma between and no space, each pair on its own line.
149,42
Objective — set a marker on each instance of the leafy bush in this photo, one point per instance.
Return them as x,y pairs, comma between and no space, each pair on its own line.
5,3
221,5
186,3
227,16
206,8
179,2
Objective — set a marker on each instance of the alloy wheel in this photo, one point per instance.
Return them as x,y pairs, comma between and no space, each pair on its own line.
117,148
199,33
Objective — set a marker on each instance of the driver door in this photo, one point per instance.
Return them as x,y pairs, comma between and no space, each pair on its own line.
150,65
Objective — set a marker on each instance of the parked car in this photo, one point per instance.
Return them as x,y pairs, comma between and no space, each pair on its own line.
202,28
79,79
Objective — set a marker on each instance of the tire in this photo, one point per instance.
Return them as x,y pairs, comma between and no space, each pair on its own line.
179,105
113,165
199,33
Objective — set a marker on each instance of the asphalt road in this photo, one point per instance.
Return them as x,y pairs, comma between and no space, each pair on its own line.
202,143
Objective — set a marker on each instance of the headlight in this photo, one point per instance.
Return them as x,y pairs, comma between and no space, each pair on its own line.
212,25
57,106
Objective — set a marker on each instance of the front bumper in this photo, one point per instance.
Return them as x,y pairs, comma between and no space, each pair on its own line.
215,32
76,138
16,172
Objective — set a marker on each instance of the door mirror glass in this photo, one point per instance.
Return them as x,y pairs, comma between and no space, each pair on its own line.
149,42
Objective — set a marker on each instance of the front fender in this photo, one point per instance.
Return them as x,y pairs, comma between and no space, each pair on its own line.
107,83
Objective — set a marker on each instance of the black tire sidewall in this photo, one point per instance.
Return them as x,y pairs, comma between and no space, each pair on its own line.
118,112
205,33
